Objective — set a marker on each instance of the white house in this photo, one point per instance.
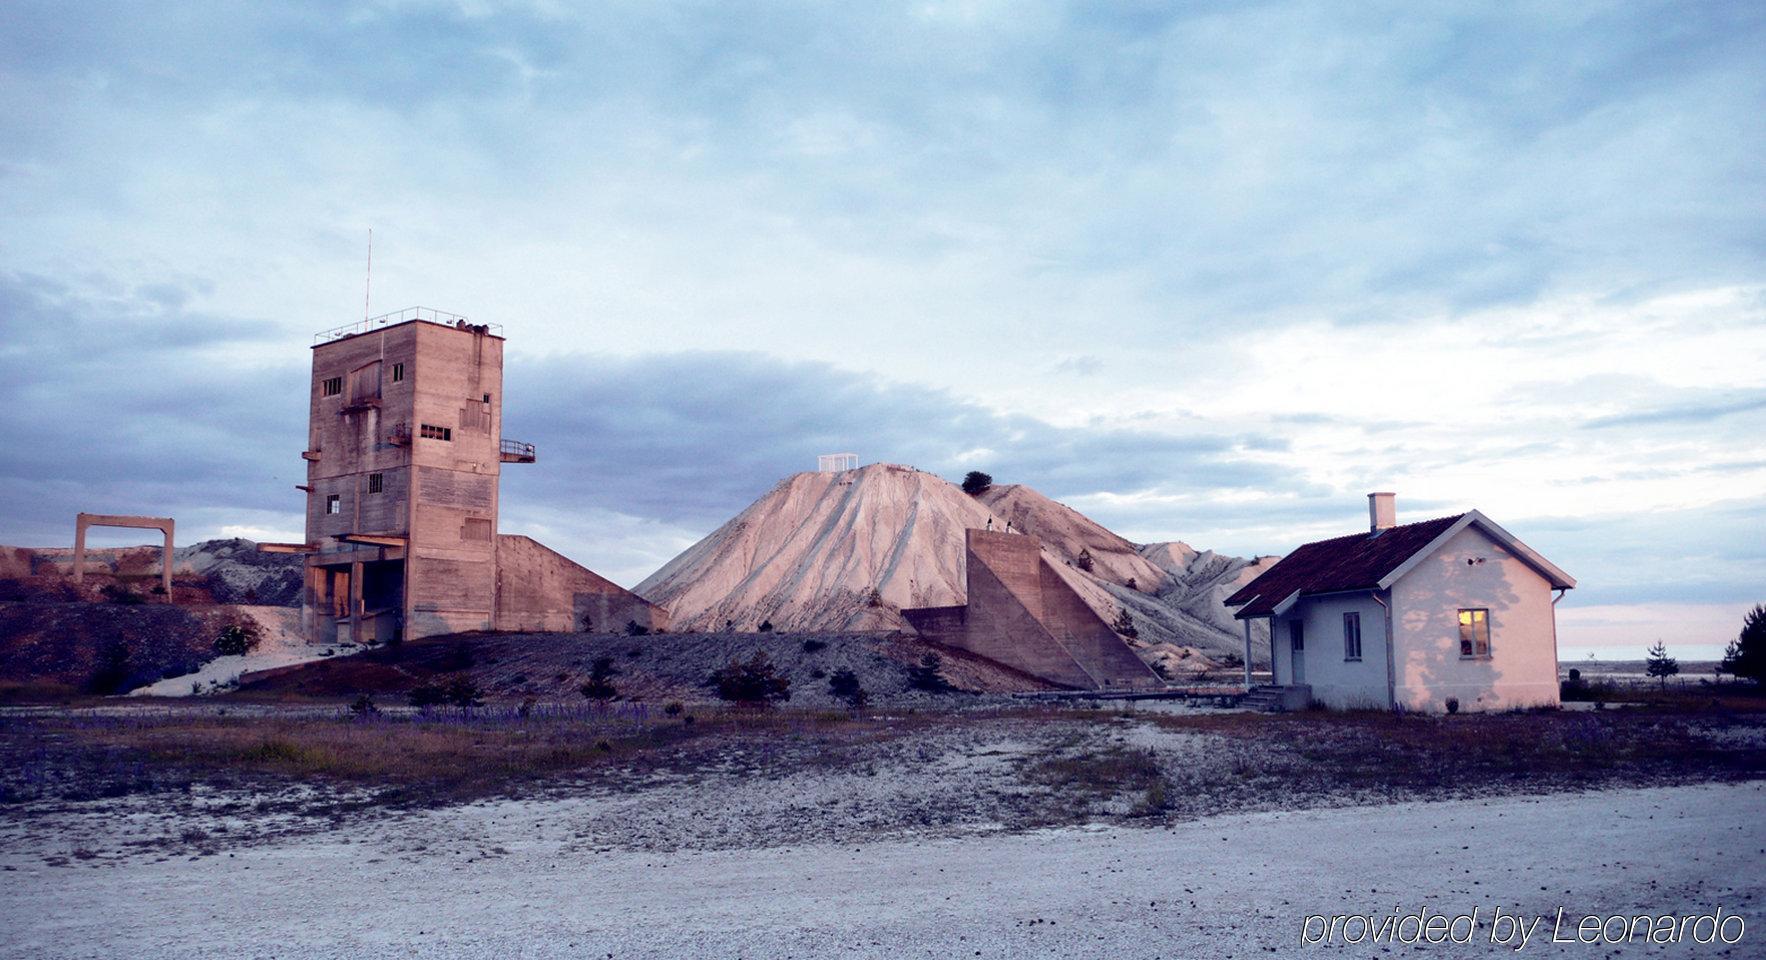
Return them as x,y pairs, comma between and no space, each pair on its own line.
1447,614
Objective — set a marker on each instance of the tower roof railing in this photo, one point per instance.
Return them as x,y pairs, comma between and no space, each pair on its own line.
427,314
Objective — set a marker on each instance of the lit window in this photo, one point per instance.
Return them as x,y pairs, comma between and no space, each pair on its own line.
398,372
332,386
334,504
432,432
1352,636
375,484
1474,633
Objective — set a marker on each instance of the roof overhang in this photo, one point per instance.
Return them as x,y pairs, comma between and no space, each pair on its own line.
1558,578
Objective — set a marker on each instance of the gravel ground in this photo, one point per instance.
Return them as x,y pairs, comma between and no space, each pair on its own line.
517,879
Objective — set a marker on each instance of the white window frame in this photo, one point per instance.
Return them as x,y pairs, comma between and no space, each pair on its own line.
333,504
1352,637
1469,620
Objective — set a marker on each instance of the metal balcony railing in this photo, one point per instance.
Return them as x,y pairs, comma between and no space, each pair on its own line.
427,314
515,451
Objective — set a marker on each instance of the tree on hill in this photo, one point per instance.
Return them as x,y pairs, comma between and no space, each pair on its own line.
1660,665
845,685
929,675
1745,657
1084,560
976,483
753,682
1124,624
600,683
237,639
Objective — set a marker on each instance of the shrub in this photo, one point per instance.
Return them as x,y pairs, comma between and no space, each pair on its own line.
117,593
635,629
812,646
976,483
600,686
237,639
754,681
459,658
111,675
588,624
427,695
1124,625
463,691
766,626
363,707
1133,584
845,685
928,675
674,708
1084,560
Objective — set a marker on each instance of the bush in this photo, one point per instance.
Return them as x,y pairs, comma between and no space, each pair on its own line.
976,483
112,672
363,707
1084,560
766,626
1124,625
635,629
600,683
463,691
754,682
237,639
427,695
117,593
928,675
812,646
674,708
845,685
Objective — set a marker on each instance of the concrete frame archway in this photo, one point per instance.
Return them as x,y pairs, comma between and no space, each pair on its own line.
163,524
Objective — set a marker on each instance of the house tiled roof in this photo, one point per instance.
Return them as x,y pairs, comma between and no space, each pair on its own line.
1355,562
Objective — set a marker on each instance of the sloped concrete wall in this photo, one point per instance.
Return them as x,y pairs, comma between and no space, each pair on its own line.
1021,613
541,589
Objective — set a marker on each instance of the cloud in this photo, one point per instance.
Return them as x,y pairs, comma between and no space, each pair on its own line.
1689,413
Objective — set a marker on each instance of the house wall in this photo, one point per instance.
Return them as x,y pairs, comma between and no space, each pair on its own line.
1522,668
541,589
1336,682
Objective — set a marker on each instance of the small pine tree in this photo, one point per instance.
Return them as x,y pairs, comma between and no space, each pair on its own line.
635,629
463,691
588,624
1124,625
845,685
1660,665
1745,657
600,683
976,483
1133,584
754,682
236,639
1084,561
929,675
766,626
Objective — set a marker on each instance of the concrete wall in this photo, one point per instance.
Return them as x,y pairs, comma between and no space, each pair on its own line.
1521,670
541,589
1336,681
1021,613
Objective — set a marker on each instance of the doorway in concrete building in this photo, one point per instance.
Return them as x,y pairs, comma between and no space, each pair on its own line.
1297,650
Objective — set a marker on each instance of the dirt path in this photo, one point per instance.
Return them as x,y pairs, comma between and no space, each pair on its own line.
513,879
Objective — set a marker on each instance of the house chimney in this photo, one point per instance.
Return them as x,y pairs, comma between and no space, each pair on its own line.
1382,512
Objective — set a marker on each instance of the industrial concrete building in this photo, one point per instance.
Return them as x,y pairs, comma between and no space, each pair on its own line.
1021,612
404,453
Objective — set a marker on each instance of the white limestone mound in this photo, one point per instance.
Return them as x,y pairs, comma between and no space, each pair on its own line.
847,551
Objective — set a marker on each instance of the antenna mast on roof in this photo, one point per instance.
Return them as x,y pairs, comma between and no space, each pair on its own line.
368,283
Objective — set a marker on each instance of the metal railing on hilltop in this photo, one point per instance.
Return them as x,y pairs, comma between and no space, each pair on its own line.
427,314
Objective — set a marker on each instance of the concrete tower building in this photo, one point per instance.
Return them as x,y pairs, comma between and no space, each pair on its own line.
404,453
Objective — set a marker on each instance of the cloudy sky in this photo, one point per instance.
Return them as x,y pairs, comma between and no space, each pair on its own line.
1208,273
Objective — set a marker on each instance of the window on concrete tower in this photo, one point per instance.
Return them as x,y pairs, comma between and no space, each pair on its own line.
334,504
331,387
1474,633
375,483
1352,636
398,372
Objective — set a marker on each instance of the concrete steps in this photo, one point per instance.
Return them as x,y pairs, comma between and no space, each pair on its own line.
1271,698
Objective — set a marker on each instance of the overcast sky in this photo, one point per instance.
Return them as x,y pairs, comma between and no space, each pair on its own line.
1208,274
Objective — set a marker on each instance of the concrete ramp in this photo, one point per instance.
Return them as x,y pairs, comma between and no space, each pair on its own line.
540,589
1022,613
